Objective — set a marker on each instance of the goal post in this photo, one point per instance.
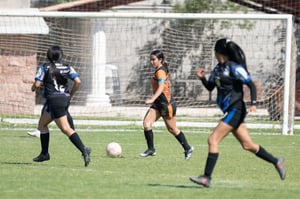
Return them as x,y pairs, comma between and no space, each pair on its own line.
289,84
111,50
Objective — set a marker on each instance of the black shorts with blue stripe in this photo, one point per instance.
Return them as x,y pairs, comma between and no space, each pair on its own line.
235,115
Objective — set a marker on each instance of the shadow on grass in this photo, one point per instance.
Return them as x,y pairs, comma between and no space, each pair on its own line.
176,186
39,164
17,163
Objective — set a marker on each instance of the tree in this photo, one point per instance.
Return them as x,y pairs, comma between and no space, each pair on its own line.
207,6
63,1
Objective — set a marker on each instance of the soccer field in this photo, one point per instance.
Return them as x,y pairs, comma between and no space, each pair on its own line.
238,174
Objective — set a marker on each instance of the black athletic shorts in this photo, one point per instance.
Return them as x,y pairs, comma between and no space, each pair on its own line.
166,110
235,114
57,105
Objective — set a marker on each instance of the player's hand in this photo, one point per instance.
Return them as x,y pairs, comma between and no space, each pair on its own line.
33,88
200,73
252,108
149,101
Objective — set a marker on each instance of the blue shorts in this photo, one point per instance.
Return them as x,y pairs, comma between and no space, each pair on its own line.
235,115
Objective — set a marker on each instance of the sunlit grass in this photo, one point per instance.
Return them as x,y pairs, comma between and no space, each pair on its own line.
238,174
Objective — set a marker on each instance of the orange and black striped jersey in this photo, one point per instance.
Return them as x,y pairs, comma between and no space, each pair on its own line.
161,75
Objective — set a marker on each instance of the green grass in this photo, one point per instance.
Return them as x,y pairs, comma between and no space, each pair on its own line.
238,174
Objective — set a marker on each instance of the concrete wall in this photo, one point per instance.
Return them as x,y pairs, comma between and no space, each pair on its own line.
14,4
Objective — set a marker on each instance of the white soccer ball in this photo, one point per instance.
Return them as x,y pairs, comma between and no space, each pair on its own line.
114,150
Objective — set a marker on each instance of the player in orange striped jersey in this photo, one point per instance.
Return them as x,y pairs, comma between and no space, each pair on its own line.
162,105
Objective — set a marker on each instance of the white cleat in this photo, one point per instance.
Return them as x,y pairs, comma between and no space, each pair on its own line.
35,133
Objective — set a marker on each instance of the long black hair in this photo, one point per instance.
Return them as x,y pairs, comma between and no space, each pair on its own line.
232,50
160,55
54,55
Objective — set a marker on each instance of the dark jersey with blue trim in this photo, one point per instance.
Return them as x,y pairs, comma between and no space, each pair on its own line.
58,83
229,78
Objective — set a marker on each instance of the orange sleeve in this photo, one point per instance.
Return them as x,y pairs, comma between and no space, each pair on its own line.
161,74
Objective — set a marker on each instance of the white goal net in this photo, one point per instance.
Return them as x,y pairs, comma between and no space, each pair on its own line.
111,53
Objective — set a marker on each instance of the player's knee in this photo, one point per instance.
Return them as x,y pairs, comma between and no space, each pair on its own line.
247,146
66,130
147,125
174,131
212,141
43,128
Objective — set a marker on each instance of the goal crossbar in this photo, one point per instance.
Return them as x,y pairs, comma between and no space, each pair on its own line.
144,15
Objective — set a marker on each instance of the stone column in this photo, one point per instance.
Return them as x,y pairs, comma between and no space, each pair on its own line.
98,96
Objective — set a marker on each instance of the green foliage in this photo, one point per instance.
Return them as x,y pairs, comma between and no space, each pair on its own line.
238,174
63,1
207,6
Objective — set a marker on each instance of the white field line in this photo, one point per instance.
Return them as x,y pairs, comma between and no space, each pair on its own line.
139,123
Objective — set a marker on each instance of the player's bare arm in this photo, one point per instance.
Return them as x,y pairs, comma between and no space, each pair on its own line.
157,93
75,87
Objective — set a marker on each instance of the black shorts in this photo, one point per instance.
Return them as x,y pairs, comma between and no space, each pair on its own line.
57,105
166,110
235,115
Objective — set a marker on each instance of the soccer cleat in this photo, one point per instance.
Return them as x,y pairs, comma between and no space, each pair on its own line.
86,156
280,167
148,152
188,153
42,157
201,180
35,133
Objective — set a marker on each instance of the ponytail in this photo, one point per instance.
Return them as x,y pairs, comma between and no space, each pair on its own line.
52,69
165,64
232,50
54,54
236,54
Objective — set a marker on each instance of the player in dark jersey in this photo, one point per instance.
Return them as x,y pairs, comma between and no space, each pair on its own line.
228,76
37,132
162,105
54,76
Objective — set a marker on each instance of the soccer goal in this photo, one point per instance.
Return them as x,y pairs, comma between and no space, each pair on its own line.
111,53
